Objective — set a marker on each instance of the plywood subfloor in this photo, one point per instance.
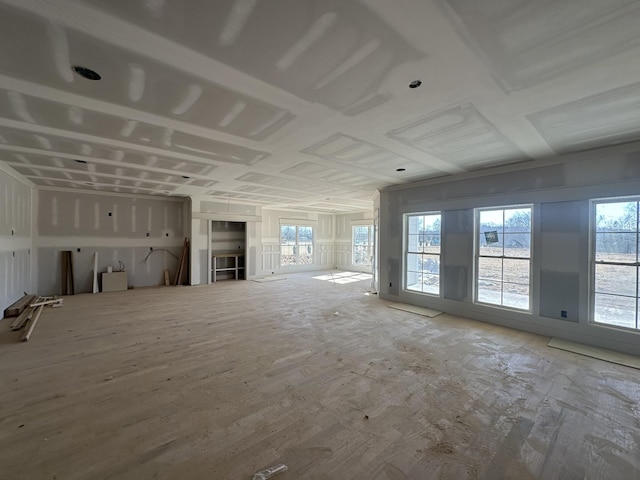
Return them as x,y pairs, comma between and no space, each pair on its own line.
218,381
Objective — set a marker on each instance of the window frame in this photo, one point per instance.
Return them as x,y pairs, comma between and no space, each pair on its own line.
296,246
477,256
593,262
407,252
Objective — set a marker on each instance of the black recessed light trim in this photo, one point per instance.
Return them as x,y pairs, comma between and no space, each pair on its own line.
81,161
415,84
400,169
87,73
184,176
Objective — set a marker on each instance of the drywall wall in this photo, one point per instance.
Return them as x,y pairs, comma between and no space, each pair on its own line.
119,228
344,238
15,238
560,194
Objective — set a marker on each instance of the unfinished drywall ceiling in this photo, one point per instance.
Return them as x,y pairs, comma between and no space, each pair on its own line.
306,104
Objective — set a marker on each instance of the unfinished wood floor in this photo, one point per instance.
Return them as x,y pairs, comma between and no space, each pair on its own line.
216,382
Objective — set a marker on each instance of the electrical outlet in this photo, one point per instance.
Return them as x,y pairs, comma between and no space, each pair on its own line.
563,313
147,234
78,250
110,214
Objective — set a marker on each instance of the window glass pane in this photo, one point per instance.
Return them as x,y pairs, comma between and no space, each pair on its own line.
517,245
490,269
616,247
491,220
517,220
414,224
414,281
515,295
431,264
489,292
432,223
288,234
414,262
431,243
431,283
490,243
616,279
414,243
305,245
616,217
515,271
615,310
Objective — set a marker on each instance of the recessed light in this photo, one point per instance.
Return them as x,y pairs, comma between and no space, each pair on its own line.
400,169
81,161
184,176
87,73
415,84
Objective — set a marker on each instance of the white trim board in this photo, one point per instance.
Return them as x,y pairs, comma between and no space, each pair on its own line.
405,307
596,352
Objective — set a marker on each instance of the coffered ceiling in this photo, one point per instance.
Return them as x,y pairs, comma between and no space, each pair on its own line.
306,104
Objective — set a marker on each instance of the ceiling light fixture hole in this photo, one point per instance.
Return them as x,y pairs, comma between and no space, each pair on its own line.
87,73
400,169
415,84
81,161
184,176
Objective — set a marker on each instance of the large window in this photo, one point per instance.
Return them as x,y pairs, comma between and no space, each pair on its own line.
422,262
503,256
296,245
362,245
615,262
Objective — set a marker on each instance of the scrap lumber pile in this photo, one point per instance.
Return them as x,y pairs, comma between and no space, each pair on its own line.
27,311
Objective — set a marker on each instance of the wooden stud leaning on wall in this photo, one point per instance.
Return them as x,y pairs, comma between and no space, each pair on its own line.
182,264
68,287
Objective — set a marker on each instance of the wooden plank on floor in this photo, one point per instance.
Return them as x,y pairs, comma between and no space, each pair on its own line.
21,319
18,307
595,352
31,324
269,279
405,307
